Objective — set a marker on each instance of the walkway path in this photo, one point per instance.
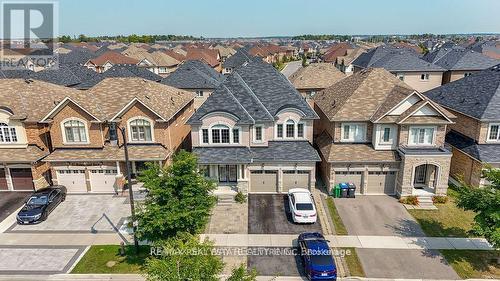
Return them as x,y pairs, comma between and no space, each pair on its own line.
365,242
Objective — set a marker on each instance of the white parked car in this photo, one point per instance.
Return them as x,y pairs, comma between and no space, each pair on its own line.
302,205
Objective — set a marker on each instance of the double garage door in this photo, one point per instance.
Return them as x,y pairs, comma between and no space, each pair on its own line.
376,183
267,180
101,180
22,179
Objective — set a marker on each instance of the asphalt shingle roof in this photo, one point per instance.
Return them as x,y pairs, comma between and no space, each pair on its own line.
119,70
194,74
238,59
489,153
65,75
461,59
223,155
477,95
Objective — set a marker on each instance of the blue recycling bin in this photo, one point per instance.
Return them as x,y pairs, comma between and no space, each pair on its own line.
344,187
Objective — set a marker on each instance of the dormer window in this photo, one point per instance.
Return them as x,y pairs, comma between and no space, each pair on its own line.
290,129
75,131
424,77
494,132
220,134
7,134
140,130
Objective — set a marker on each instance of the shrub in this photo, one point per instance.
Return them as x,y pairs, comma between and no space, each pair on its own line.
240,197
439,199
409,200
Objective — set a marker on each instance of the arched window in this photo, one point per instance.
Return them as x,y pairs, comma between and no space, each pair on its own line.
75,131
290,129
140,130
7,134
220,134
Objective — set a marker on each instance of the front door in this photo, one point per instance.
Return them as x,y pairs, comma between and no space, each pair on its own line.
228,173
3,180
420,175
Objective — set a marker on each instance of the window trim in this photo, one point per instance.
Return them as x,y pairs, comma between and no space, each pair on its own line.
424,77
277,131
382,135
434,134
290,122
489,131
303,130
353,140
214,126
255,134
10,131
63,131
129,127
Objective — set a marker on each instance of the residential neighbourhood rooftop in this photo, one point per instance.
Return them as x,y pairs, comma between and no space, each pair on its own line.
316,76
460,59
193,74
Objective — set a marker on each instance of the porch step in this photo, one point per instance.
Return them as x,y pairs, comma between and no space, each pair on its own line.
225,200
425,202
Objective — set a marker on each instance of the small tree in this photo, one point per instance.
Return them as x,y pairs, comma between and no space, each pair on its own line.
485,202
178,199
184,258
242,274
304,60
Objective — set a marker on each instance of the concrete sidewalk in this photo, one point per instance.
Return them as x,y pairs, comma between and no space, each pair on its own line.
366,242
136,277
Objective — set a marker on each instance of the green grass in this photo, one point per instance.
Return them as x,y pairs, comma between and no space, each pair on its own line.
473,264
352,260
337,221
107,259
447,221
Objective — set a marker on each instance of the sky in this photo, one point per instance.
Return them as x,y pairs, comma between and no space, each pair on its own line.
258,18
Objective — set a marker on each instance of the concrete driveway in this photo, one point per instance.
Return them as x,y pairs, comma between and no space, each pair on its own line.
377,215
410,264
270,214
11,201
83,214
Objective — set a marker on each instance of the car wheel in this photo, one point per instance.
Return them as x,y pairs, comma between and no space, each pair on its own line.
44,216
63,198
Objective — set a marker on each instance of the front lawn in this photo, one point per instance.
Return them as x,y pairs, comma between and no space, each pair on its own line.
353,263
473,264
107,259
447,221
337,221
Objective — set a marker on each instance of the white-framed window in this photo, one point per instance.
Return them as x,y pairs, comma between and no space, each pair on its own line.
467,74
279,131
385,135
220,134
422,135
7,134
162,69
400,76
300,130
424,76
290,129
258,133
494,132
204,137
74,131
199,94
353,132
141,130
236,135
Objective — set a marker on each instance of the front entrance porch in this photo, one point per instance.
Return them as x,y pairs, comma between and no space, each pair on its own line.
424,180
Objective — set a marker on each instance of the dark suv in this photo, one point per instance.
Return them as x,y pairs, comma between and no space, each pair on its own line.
41,204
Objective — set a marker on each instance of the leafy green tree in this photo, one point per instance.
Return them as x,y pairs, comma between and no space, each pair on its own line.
304,60
178,200
82,38
485,201
64,39
182,258
242,274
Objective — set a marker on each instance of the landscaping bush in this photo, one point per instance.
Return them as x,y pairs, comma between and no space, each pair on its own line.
409,200
440,199
240,197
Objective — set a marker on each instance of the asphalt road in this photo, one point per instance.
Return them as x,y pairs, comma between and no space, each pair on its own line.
291,68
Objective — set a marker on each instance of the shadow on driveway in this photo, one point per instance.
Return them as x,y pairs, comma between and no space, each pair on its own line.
11,201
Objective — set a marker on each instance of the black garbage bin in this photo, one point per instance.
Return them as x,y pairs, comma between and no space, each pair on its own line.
352,190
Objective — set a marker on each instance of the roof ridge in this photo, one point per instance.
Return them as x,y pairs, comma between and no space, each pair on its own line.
237,101
240,79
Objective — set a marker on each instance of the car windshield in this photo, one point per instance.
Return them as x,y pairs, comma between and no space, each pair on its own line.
38,200
322,259
304,206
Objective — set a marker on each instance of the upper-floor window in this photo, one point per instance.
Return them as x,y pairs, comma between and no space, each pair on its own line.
75,131
400,76
385,137
221,134
300,130
279,130
421,135
354,132
424,76
494,132
7,134
140,130
258,134
204,135
236,135
162,70
467,74
199,94
290,129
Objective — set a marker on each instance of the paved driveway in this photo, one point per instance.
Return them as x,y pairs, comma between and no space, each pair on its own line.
270,214
275,262
411,264
377,215
291,68
38,259
10,202
83,214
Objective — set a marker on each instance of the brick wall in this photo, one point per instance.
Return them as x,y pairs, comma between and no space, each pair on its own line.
38,135
466,168
41,175
404,133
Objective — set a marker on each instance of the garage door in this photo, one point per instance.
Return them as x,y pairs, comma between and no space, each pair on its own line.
295,179
74,180
349,176
21,178
3,180
381,183
103,180
263,181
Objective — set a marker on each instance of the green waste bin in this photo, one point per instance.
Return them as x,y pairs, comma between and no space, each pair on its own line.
338,191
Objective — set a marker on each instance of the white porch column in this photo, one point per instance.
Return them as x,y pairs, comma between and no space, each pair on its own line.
10,184
118,172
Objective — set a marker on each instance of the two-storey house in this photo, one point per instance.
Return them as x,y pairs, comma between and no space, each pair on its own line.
475,137
254,132
380,134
